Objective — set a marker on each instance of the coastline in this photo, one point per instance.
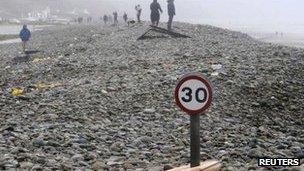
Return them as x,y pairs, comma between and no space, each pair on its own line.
288,39
100,99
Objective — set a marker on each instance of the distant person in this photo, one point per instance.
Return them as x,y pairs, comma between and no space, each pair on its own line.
138,12
155,15
105,19
110,18
89,19
171,13
115,18
125,17
24,35
80,20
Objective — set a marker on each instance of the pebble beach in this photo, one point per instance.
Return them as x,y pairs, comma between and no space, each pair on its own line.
95,98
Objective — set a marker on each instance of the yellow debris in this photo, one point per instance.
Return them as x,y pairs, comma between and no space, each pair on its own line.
16,91
38,59
42,85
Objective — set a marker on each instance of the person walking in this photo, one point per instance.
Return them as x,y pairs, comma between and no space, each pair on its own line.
171,13
138,12
115,18
105,19
24,35
155,15
125,17
110,19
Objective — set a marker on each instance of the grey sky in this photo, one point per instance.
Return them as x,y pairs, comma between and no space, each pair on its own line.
251,13
270,14
260,14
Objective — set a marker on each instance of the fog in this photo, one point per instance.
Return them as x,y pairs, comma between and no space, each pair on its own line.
245,15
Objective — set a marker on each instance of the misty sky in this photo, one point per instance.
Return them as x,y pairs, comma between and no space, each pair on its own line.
278,15
267,14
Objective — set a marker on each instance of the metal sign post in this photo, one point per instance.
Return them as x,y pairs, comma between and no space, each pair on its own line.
195,140
193,94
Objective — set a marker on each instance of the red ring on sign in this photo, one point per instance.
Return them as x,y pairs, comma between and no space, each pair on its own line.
198,77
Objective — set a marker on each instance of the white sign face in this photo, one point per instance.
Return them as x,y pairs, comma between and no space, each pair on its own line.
193,94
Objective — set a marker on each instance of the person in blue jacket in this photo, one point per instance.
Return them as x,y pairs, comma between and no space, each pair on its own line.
24,35
171,13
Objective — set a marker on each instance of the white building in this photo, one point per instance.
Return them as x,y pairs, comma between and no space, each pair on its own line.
43,15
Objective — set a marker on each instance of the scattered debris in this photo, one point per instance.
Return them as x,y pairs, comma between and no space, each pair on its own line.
70,112
162,31
16,91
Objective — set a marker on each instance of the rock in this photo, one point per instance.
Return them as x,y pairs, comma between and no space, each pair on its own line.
77,158
26,165
168,167
37,168
157,168
143,140
222,153
104,92
299,154
98,166
255,153
117,146
53,143
115,160
80,141
18,150
149,111
39,142
111,89
216,66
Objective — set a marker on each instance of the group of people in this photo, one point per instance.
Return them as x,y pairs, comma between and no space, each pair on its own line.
156,10
108,18
155,14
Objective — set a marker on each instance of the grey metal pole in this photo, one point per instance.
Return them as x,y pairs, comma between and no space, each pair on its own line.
195,140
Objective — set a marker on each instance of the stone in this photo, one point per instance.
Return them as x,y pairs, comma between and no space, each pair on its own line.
117,146
115,160
149,111
77,158
39,142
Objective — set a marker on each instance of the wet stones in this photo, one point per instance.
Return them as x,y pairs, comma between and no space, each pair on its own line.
115,111
39,142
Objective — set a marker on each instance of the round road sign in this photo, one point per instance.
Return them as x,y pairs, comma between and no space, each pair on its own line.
193,94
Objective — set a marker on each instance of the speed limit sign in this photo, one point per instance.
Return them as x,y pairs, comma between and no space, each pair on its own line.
193,94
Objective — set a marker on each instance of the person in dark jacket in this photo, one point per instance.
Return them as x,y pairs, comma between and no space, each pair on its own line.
105,19
110,19
125,17
115,18
171,13
155,15
24,35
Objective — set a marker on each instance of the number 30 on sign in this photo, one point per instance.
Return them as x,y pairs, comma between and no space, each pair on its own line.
193,94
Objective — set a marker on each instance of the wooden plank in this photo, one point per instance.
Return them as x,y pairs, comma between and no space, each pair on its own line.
169,32
143,35
162,30
209,165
